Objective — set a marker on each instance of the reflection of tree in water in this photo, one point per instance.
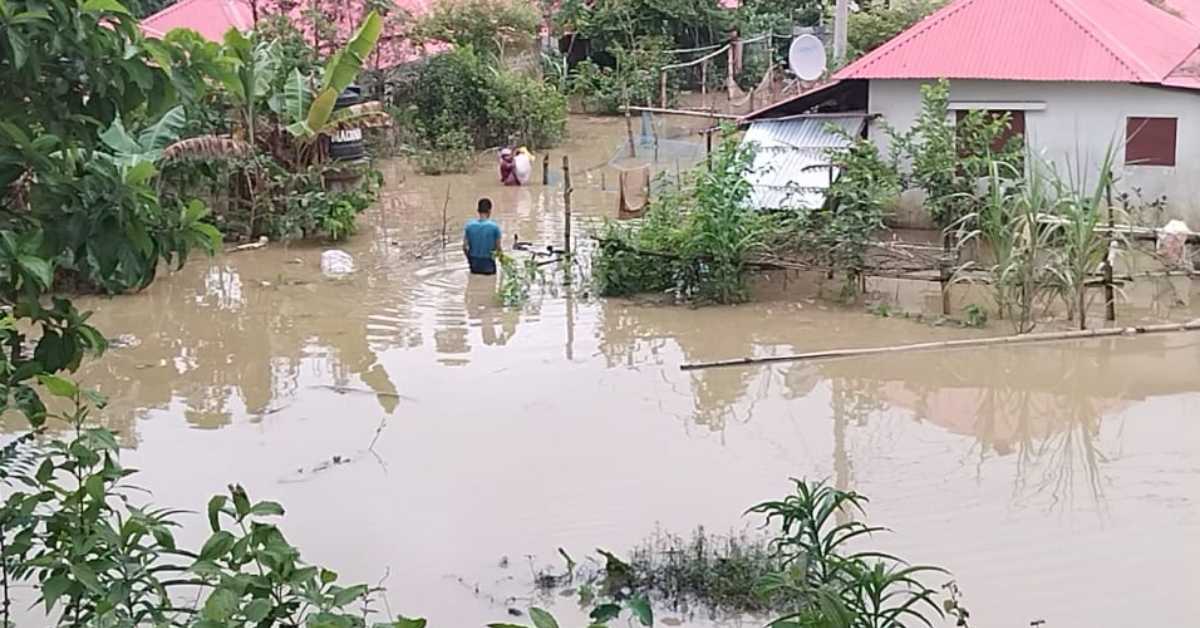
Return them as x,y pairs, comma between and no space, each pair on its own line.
1043,405
233,346
632,335
853,401
1055,436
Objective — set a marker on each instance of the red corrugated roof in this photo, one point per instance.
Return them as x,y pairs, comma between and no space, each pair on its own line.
213,18
1129,41
210,18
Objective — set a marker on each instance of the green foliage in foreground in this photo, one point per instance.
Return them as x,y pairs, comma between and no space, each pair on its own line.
814,572
74,529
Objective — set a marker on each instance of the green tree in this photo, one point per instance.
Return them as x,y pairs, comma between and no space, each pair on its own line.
873,26
490,27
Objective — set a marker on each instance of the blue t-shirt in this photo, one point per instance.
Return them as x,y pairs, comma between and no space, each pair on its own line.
482,236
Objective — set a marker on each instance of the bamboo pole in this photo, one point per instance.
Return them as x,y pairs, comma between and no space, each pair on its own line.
685,112
629,129
953,344
445,219
622,204
567,208
662,89
1110,293
708,149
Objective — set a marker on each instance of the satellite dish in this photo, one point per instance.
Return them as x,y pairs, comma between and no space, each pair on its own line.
806,57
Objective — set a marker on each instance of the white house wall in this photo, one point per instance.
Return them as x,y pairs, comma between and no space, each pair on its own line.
1065,122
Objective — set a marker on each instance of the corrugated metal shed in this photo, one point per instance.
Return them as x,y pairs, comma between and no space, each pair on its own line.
791,164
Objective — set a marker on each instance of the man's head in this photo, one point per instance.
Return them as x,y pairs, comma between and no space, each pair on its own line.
485,207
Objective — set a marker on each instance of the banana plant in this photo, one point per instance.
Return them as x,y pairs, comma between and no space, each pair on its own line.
136,156
311,112
247,70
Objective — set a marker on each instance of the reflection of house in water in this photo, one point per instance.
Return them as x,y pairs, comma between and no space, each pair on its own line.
1045,405
1001,396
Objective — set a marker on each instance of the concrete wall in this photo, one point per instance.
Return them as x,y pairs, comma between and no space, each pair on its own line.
1078,121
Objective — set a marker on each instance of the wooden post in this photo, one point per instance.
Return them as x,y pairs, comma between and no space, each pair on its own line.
730,78
546,169
445,220
1110,297
603,180
944,275
629,129
662,89
622,203
704,83
708,148
567,213
771,66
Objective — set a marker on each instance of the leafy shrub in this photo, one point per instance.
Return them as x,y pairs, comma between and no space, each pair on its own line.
873,26
950,157
696,242
304,206
449,152
488,26
632,78
457,92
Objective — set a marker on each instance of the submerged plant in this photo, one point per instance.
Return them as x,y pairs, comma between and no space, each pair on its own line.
697,242
516,279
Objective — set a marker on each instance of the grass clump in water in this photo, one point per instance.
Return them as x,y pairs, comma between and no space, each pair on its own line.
721,573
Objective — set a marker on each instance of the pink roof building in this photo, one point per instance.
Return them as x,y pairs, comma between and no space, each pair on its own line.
213,18
1078,78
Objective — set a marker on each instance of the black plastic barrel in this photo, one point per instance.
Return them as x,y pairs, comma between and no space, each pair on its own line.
347,144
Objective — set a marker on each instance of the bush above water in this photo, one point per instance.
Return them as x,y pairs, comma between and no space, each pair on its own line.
458,92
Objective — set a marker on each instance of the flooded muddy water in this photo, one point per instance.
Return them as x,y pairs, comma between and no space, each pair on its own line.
1058,482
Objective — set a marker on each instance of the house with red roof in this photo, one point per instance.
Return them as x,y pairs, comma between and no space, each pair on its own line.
1076,76
213,18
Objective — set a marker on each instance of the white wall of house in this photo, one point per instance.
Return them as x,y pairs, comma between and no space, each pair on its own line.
1066,122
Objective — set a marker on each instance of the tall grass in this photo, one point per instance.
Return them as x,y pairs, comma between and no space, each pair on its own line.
1042,238
1080,210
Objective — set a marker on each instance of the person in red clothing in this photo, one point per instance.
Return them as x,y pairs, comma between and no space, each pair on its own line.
508,169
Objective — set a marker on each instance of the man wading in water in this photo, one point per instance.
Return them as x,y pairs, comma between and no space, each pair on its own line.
481,241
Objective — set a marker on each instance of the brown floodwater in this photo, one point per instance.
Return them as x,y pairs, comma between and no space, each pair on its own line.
1058,482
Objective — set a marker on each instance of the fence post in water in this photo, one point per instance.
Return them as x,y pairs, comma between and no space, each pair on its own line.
629,130
567,213
622,204
546,169
662,89
1110,297
944,277
708,148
